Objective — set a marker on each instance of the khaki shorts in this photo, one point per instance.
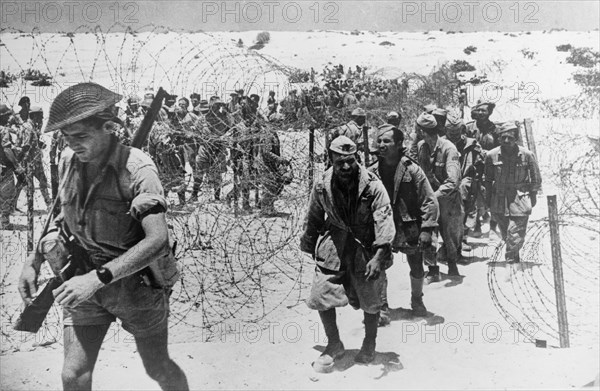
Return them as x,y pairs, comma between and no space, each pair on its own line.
143,310
336,290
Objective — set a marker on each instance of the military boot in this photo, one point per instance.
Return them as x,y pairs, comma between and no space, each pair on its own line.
335,347
433,275
367,350
416,297
453,269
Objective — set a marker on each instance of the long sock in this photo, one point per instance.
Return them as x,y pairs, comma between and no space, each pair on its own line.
328,318
371,326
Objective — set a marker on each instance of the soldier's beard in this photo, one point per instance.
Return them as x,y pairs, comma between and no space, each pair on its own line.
346,178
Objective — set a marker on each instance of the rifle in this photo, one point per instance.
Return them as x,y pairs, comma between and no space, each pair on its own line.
33,315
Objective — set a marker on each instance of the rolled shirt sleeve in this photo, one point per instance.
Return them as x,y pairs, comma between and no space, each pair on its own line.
147,189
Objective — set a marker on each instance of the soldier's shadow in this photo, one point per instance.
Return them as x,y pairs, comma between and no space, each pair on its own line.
469,259
407,314
390,361
452,280
515,265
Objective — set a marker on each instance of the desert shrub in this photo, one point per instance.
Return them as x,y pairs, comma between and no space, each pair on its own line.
470,49
263,38
564,48
299,76
42,82
589,80
6,78
34,75
257,46
529,54
583,57
461,66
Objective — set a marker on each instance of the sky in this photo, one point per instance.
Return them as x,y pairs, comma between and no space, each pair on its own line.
270,15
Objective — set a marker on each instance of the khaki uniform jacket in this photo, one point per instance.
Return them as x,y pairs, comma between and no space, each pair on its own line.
442,166
371,226
509,181
473,131
413,202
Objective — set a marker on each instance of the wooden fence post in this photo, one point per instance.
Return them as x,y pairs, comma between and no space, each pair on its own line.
311,159
529,134
559,288
29,189
365,131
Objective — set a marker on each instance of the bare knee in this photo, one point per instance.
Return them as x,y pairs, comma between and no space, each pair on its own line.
76,377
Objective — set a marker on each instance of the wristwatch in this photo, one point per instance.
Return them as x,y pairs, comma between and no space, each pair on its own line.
104,275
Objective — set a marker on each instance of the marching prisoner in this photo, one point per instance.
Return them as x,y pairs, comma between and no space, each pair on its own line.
9,165
269,166
414,205
481,128
31,151
471,168
112,204
484,131
440,161
512,181
212,149
351,247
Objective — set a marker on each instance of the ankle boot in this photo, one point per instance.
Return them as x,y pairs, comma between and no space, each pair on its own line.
367,350
453,269
433,275
416,297
334,348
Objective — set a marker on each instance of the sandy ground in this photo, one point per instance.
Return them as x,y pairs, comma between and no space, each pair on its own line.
463,344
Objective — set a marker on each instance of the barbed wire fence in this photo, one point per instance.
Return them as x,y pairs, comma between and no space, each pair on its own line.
246,268
236,267
524,293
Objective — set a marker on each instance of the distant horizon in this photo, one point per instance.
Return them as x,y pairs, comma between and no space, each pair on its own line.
241,16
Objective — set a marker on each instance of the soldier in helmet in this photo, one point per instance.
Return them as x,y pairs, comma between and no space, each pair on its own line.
113,209
9,166
350,241
512,181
